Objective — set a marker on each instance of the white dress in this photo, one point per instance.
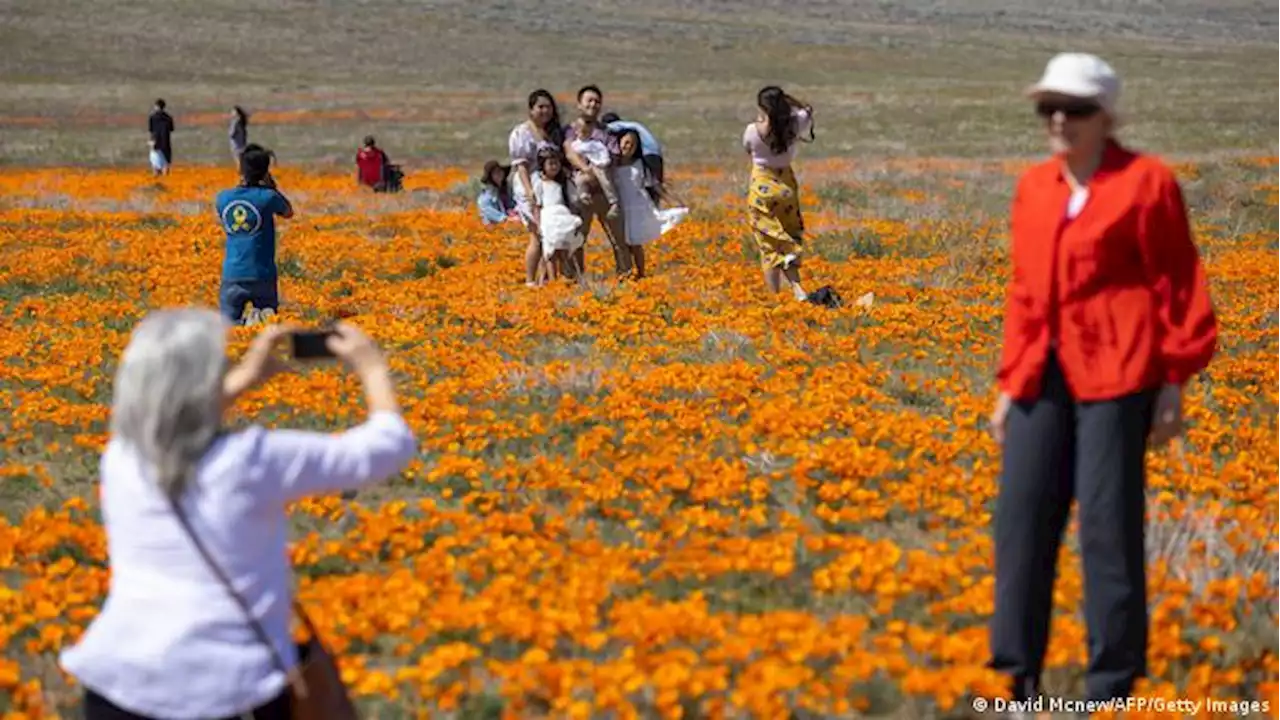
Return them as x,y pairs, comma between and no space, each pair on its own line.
558,224
644,222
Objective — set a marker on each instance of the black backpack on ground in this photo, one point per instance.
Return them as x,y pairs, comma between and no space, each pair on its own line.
826,296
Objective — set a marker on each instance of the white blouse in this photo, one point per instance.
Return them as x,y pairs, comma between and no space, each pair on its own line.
169,641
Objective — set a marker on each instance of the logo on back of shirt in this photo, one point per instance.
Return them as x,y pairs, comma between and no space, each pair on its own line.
240,217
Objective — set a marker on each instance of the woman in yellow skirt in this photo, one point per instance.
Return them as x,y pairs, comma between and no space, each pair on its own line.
774,195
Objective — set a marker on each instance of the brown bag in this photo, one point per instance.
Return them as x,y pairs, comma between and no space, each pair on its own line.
314,683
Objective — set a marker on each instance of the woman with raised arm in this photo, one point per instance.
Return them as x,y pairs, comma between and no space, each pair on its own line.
1107,317
773,197
196,623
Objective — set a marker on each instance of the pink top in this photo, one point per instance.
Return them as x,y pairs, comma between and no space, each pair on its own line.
764,156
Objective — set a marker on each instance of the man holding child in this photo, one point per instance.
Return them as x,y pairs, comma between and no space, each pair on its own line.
584,138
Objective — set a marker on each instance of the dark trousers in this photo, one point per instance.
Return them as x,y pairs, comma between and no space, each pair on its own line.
1056,450
235,295
97,707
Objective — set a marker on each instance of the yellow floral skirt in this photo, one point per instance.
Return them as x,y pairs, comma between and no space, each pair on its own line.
773,201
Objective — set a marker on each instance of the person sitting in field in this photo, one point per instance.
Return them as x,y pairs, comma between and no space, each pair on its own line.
374,168
247,213
650,149
495,201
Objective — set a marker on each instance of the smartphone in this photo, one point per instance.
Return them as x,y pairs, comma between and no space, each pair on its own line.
311,345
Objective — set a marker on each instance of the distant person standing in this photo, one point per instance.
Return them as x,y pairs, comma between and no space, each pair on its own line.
247,213
650,148
238,133
160,125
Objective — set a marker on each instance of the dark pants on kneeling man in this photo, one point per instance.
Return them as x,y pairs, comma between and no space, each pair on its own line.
1055,450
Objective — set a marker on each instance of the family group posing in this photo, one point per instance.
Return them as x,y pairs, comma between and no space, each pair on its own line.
563,178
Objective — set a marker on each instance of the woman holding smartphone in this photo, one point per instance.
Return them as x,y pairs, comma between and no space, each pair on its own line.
173,639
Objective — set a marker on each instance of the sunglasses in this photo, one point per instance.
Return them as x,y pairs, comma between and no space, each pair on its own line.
1072,110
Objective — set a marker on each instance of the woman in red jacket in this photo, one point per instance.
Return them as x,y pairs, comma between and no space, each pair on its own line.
1107,317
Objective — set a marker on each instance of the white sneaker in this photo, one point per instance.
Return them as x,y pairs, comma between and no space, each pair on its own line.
788,259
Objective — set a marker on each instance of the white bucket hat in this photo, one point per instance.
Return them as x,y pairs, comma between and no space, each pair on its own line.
1080,75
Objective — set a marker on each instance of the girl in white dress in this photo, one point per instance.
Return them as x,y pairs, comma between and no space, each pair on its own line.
558,225
643,220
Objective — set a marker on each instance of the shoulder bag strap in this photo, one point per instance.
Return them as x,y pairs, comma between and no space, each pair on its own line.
293,676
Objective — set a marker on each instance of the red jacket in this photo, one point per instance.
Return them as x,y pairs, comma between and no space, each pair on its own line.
371,162
1119,292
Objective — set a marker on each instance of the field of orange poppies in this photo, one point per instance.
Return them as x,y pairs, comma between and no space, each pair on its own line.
674,497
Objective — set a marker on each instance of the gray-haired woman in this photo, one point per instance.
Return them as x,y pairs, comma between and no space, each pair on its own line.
171,640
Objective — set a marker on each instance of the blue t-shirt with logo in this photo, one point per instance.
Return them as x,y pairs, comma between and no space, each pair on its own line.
248,217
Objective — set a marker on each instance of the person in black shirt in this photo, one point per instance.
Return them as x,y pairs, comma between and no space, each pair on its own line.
161,126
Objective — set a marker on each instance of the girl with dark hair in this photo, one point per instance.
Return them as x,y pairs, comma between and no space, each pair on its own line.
774,194
238,133
558,225
494,201
643,222
541,130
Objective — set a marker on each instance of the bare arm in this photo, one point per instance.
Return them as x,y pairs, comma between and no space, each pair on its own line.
526,179
286,207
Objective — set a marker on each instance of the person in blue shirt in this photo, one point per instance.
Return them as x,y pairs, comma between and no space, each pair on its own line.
247,214
494,201
650,148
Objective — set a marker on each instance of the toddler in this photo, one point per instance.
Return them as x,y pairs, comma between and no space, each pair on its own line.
593,150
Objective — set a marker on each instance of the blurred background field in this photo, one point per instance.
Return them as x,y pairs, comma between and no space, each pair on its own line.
441,82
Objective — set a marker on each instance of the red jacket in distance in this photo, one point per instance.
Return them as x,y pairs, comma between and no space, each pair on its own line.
1118,293
370,161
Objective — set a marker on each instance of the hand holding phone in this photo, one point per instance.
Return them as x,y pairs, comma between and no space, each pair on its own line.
311,344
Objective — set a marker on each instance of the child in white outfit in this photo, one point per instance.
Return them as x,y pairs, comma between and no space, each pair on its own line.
558,226
643,221
596,154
